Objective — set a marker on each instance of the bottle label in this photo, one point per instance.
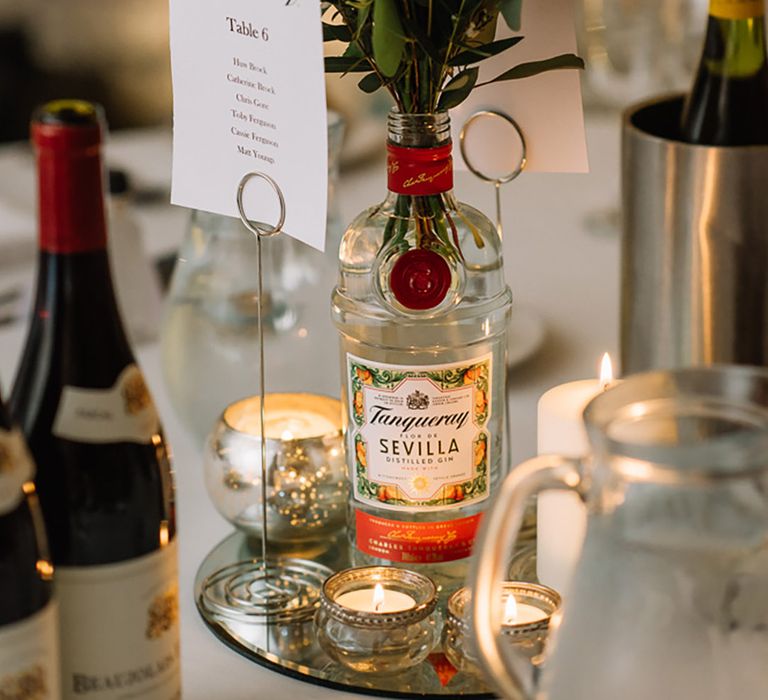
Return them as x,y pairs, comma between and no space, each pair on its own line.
419,434
122,413
120,629
16,468
736,9
415,543
419,171
29,658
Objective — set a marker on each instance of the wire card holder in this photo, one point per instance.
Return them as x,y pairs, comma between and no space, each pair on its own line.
267,589
503,179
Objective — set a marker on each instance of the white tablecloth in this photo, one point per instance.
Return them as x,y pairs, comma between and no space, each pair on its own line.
555,266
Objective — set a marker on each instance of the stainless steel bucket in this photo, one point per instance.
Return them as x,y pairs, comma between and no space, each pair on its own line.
695,248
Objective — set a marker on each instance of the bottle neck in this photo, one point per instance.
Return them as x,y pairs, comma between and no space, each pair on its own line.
73,282
419,160
736,9
71,200
735,43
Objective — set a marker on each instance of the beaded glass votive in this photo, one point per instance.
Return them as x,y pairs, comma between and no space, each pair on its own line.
306,472
526,623
378,619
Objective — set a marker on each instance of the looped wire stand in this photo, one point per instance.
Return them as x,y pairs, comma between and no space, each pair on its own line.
503,179
526,327
267,589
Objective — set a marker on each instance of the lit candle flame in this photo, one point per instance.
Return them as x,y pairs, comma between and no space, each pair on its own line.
606,371
45,569
286,436
378,597
510,609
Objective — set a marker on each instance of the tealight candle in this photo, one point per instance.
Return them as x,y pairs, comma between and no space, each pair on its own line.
528,609
376,600
286,416
307,483
516,613
562,518
371,608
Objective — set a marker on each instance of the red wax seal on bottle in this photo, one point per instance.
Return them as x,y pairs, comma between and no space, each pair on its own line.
420,279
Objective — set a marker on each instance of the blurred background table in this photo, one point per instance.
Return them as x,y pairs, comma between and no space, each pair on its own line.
558,264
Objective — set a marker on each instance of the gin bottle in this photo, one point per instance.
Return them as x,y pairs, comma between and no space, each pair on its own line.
422,307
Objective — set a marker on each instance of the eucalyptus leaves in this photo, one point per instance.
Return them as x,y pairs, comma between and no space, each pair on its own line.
425,52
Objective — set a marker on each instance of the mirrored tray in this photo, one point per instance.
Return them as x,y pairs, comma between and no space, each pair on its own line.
292,648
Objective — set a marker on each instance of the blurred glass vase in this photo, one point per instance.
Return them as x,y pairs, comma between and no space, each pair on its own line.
637,48
209,337
210,340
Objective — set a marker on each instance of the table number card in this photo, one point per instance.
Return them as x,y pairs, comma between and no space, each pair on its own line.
249,95
547,107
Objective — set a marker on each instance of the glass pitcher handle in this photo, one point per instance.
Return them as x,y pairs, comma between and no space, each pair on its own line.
496,539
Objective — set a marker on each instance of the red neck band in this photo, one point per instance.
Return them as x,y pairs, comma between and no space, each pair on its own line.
419,171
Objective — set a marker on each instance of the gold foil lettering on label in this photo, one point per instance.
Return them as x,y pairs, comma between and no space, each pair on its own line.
163,613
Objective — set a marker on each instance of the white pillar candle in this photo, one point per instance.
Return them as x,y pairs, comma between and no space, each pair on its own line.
376,600
562,517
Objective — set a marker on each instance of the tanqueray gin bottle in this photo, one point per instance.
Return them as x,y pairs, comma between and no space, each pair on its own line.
422,308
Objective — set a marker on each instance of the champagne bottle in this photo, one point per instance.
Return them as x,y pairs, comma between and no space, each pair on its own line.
728,105
29,644
104,477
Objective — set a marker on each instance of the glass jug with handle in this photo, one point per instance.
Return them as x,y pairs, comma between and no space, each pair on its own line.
670,596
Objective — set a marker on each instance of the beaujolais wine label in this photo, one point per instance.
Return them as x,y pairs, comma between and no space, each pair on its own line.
419,171
123,413
120,628
419,433
29,658
16,467
736,9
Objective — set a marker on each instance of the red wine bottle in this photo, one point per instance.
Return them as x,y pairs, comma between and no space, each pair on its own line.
29,644
104,476
728,105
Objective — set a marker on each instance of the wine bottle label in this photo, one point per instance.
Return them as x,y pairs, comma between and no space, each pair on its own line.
16,468
736,9
122,413
419,171
120,629
418,434
29,658
415,542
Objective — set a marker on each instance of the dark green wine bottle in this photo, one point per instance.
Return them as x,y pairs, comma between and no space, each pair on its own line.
728,105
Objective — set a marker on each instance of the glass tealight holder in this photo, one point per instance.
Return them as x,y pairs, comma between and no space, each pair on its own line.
526,623
306,471
378,637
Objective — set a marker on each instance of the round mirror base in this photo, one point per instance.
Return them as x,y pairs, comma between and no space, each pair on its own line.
289,645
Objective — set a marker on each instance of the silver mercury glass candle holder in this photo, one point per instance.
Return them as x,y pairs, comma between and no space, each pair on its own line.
306,471
528,637
378,639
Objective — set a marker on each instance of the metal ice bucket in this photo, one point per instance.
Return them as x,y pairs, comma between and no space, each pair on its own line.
695,248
